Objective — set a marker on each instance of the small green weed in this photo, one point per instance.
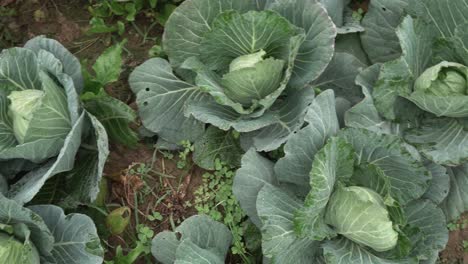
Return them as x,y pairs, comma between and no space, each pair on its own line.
142,247
183,161
155,216
109,16
358,14
216,199
458,225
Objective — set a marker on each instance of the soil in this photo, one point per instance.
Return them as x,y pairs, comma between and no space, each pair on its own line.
455,253
68,21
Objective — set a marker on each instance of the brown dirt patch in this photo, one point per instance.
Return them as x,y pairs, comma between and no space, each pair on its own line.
455,253
165,189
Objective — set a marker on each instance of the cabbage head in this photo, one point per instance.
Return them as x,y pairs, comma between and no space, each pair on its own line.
359,214
44,127
423,92
44,234
445,84
346,195
443,79
15,251
242,67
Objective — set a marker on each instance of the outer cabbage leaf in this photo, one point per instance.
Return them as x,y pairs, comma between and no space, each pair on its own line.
433,234
279,242
161,98
289,115
70,64
217,144
342,250
114,116
196,16
14,63
379,38
461,42
441,140
396,77
300,149
317,50
7,139
26,187
332,164
365,114
408,177
224,117
342,16
75,237
233,35
84,179
13,214
189,253
200,240
444,16
255,172
456,201
440,184
3,184
339,76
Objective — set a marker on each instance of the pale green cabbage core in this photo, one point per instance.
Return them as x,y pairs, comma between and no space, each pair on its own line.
22,108
246,61
252,78
13,251
444,79
360,215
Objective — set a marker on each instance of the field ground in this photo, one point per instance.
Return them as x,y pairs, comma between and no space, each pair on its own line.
140,178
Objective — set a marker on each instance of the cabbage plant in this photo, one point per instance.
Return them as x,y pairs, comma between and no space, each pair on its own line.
46,133
43,234
199,239
241,66
422,94
346,195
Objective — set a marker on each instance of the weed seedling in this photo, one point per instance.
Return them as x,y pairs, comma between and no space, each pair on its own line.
216,199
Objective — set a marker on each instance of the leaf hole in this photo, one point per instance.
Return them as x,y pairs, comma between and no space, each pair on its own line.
178,235
126,214
384,9
147,89
145,103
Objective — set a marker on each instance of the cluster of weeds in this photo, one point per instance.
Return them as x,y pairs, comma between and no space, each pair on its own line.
109,16
142,248
184,160
458,225
216,199
358,14
7,37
